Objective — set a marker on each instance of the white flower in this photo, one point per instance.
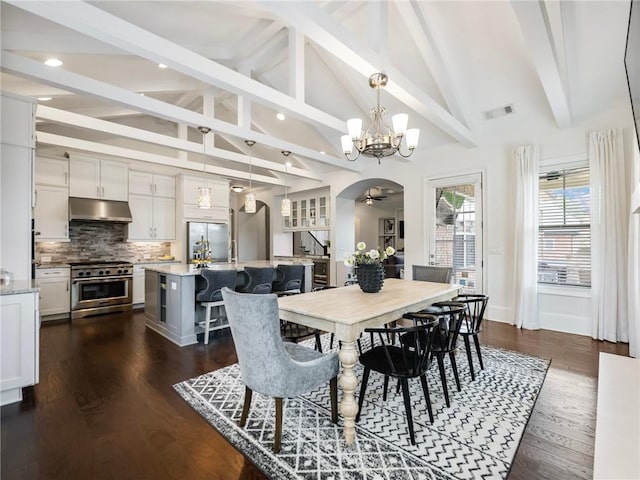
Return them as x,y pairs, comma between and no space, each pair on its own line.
390,250
361,246
348,260
374,254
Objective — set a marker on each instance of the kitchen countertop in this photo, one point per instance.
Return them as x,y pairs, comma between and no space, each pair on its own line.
185,270
19,286
52,265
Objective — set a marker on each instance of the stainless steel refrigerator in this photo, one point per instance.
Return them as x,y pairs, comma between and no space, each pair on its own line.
217,236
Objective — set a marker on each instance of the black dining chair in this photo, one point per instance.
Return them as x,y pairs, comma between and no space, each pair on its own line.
258,280
428,273
410,359
476,304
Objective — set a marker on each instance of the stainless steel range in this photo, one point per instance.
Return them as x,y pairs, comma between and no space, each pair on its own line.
101,287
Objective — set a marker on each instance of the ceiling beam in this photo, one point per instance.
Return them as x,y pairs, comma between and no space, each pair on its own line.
128,153
96,23
420,26
69,81
73,119
535,27
322,29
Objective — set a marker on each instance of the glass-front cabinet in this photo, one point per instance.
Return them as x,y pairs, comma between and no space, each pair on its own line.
308,210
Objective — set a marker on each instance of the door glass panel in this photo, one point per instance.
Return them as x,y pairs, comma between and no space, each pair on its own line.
455,233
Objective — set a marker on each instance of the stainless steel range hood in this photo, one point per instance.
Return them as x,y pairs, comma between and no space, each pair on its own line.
94,210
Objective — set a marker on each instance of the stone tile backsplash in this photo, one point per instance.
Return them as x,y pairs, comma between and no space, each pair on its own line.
95,241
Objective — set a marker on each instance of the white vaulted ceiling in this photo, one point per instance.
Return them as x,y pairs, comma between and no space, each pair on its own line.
234,65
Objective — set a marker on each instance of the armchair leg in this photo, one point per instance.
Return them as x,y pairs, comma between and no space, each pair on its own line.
246,406
333,392
278,433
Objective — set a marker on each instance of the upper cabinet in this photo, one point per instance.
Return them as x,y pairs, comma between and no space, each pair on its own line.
97,178
152,203
308,210
51,209
52,171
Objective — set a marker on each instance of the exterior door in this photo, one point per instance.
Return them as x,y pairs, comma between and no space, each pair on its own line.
455,228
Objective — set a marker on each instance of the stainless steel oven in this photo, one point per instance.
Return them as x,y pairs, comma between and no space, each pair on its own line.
102,287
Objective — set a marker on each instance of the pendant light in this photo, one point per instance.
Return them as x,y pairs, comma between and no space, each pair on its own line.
250,198
204,193
285,204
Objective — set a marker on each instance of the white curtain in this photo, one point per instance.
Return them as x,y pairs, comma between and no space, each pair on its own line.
633,288
609,210
526,237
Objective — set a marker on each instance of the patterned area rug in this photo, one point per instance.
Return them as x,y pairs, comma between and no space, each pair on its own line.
477,437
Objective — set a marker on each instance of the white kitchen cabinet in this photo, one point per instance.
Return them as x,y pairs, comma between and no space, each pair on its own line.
54,284
97,178
154,218
144,183
153,206
16,183
308,212
51,214
19,344
138,284
52,171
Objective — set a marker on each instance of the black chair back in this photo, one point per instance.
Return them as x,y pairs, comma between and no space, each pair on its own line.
450,318
476,305
214,281
258,280
289,278
411,358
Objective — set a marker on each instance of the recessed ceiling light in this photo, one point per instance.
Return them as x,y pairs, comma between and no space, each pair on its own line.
162,65
280,116
142,94
237,188
53,62
321,152
44,99
288,164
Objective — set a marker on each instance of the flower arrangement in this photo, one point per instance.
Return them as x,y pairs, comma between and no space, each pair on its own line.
371,257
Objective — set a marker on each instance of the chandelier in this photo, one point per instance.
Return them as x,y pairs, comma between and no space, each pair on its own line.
204,193
379,140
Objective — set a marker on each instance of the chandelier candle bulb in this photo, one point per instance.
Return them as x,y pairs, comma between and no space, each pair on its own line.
347,144
400,121
354,127
412,136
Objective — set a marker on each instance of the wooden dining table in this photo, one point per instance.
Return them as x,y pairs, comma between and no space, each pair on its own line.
347,311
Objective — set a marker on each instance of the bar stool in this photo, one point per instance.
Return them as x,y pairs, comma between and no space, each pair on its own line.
210,296
258,280
289,279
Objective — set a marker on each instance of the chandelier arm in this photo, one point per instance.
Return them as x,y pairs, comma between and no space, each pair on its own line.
354,158
407,155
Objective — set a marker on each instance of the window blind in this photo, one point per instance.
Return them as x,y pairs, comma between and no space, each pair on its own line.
564,231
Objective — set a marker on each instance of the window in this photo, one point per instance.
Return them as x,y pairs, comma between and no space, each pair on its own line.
564,233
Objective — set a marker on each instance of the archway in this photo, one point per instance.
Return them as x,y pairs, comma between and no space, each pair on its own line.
356,220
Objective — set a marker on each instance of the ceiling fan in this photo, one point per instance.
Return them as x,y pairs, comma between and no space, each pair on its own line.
369,199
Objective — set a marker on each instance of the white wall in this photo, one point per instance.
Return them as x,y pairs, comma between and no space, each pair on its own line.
493,156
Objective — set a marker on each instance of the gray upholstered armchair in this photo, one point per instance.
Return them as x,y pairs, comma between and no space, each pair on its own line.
270,366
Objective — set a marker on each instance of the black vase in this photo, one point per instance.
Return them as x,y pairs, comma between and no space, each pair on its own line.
370,277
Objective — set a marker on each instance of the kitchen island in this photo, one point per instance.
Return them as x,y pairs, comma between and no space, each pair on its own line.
170,291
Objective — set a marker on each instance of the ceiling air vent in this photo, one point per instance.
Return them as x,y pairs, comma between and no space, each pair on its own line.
498,112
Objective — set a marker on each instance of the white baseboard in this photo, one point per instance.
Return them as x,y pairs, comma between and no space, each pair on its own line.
575,324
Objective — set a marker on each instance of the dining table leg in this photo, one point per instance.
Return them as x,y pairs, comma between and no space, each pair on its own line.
348,383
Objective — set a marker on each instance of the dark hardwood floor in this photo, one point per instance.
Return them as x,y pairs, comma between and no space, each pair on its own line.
105,407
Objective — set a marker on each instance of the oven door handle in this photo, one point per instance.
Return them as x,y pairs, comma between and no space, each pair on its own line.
78,281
